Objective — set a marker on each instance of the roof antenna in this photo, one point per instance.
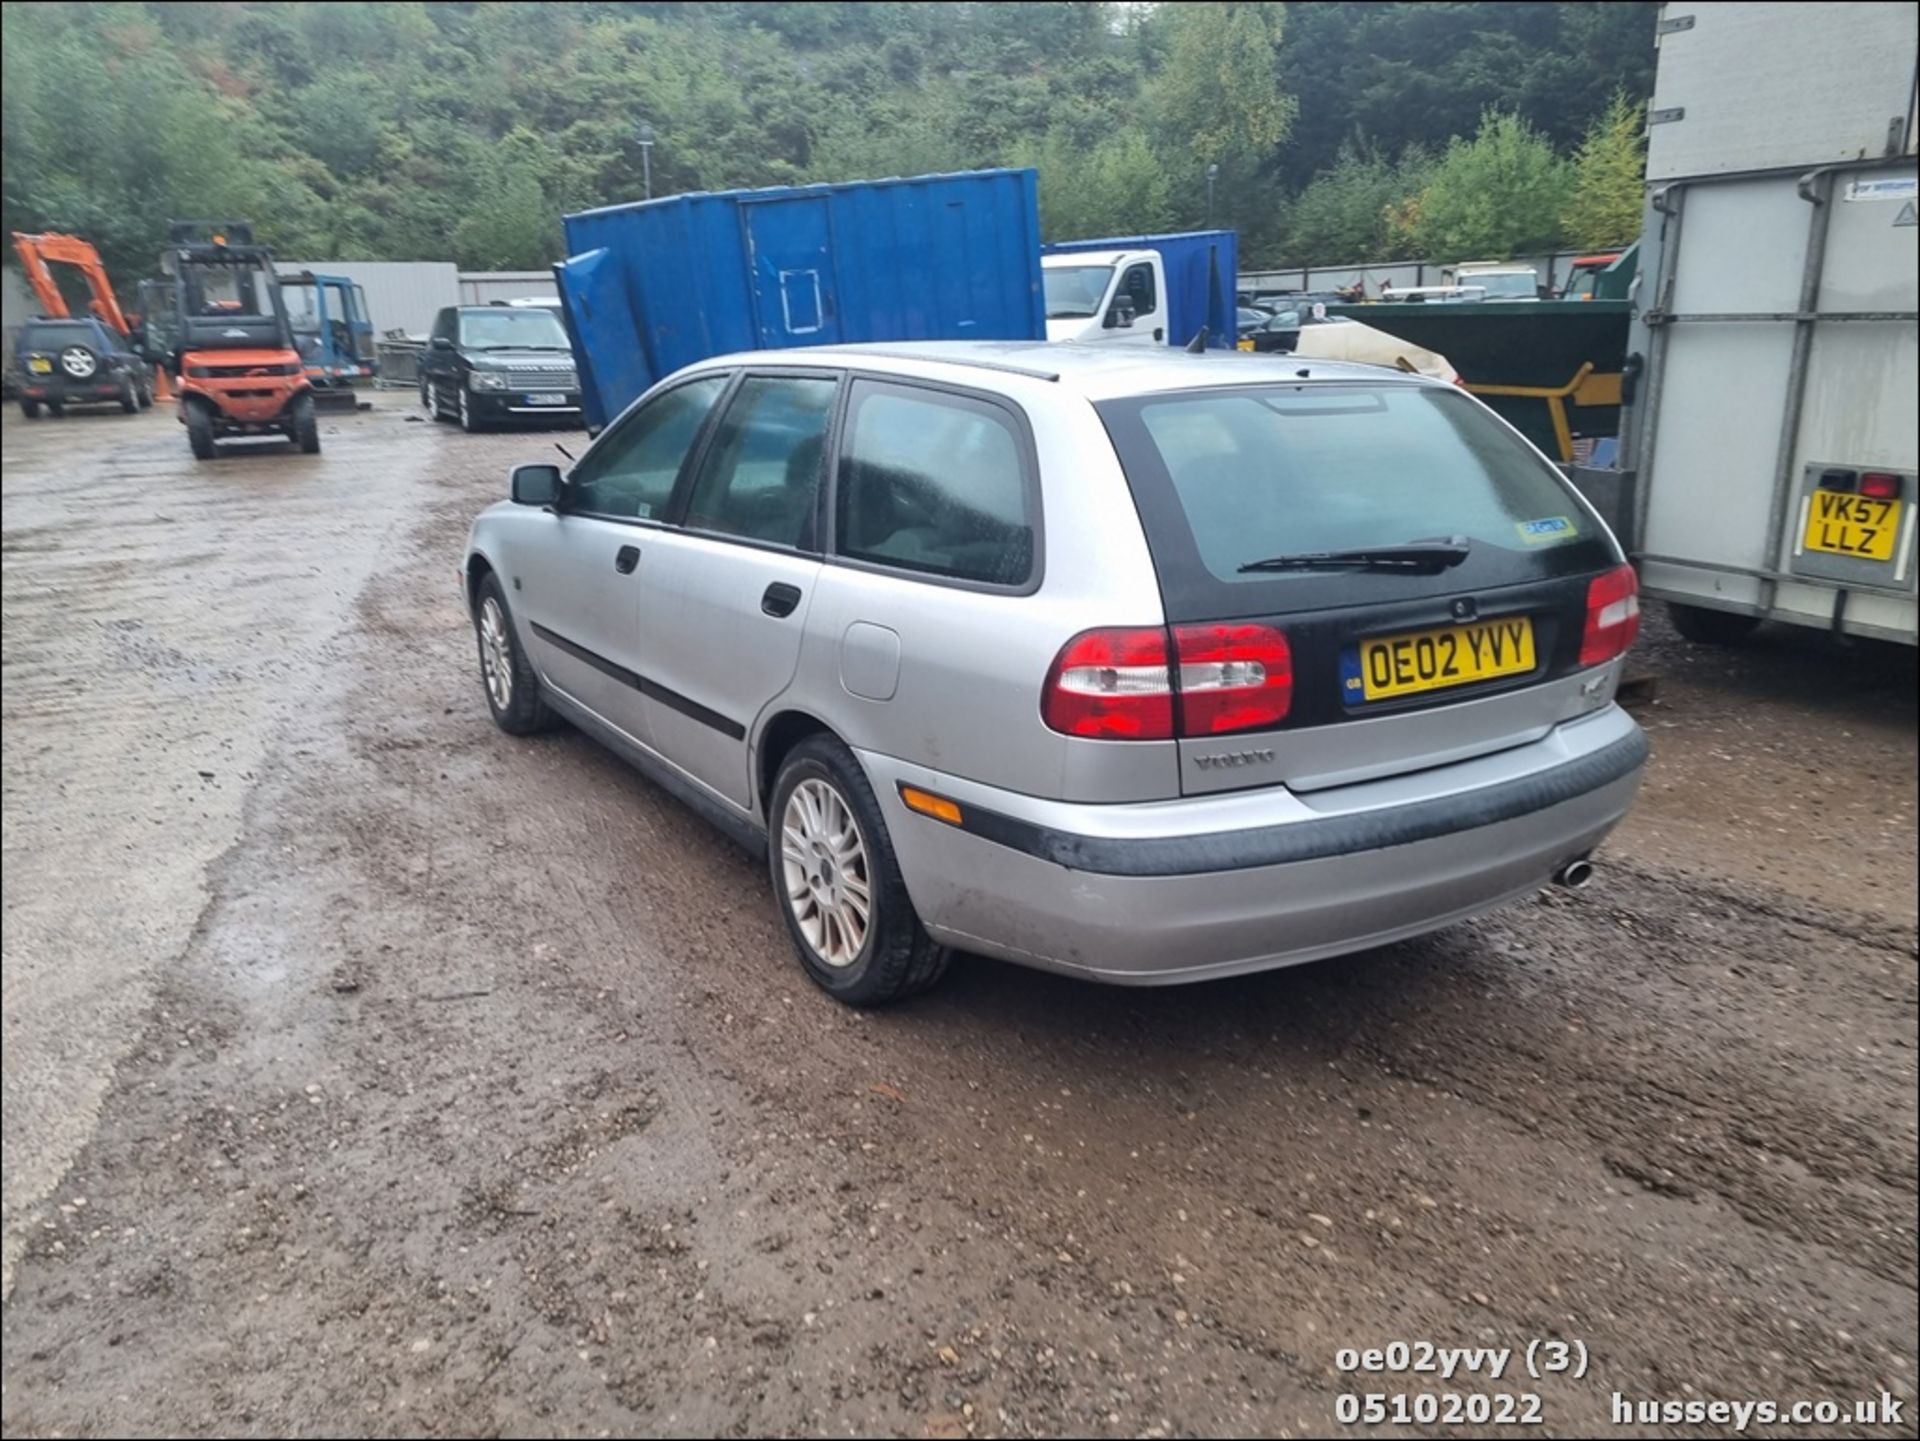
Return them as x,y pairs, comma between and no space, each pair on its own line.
563,450
1198,345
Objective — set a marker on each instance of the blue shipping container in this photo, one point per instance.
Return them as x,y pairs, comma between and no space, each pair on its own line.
652,286
1201,267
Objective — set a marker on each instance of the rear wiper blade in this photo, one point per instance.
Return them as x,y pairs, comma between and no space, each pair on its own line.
1420,557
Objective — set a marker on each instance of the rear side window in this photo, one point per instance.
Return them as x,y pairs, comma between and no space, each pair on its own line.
935,482
1226,478
631,472
761,477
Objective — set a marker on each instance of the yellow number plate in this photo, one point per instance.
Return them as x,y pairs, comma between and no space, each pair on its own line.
1425,660
1856,525
40,365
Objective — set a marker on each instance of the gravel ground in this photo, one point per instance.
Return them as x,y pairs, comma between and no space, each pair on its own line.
469,1087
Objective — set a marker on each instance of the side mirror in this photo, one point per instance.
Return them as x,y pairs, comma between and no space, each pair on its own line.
1119,314
441,342
534,484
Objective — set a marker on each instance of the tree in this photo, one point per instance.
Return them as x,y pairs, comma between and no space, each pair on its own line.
1115,187
1609,178
1218,99
1346,213
1497,195
514,229
1219,110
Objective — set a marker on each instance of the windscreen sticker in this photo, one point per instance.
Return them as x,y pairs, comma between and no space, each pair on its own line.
1545,531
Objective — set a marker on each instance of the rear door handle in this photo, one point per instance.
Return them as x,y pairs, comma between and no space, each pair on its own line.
626,558
780,599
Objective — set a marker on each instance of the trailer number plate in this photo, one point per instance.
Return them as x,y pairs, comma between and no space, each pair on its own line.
1855,525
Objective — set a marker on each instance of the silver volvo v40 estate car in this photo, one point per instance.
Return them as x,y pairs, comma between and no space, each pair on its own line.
1146,667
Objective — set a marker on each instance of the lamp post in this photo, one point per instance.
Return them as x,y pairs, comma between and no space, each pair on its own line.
1213,173
645,137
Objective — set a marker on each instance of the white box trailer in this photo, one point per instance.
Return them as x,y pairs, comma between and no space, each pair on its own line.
1775,435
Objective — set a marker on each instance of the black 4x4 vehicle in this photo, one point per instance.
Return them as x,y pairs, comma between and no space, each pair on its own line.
486,363
78,362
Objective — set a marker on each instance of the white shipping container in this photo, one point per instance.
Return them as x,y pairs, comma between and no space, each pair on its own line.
1777,317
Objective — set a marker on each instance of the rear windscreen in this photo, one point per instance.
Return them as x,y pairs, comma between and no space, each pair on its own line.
1225,478
52,337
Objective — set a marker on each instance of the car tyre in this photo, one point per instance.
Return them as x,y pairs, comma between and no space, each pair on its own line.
469,422
827,843
56,410
200,430
506,675
306,429
145,390
1711,627
129,394
29,408
426,397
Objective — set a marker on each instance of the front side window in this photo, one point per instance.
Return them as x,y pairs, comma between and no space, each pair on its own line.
935,482
761,477
1137,284
631,472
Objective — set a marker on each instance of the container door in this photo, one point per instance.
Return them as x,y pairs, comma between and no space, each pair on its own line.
789,244
607,347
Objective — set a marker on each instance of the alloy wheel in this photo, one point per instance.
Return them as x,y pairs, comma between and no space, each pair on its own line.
496,656
829,885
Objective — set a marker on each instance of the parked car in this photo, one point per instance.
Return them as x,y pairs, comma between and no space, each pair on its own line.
1249,318
485,364
1146,667
78,362
1500,282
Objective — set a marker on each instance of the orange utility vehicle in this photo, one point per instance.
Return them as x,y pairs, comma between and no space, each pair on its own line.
227,340
36,251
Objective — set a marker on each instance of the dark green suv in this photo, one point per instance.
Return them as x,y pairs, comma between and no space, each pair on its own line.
78,362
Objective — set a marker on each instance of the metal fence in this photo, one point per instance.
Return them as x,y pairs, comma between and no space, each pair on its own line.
1553,270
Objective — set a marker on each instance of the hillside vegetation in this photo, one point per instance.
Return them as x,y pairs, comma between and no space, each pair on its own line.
463,131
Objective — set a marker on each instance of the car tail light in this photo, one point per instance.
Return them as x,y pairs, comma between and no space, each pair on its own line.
1232,678
1120,685
1112,684
1613,615
1879,485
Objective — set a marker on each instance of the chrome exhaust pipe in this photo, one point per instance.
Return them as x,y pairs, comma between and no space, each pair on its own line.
1575,874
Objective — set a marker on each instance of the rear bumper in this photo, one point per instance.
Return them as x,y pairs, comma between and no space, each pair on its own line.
1212,886
68,392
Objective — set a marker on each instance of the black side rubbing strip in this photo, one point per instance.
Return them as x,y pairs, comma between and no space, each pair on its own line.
1316,839
653,690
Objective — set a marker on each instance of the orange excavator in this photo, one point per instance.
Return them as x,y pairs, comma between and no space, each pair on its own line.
37,251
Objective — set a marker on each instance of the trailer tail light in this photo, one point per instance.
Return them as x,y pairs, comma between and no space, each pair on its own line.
1613,615
1112,685
1232,678
1879,485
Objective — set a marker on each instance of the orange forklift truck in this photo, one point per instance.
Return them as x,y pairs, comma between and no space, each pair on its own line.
227,341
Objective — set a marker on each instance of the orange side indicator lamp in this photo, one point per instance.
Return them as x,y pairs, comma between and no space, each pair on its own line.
939,807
